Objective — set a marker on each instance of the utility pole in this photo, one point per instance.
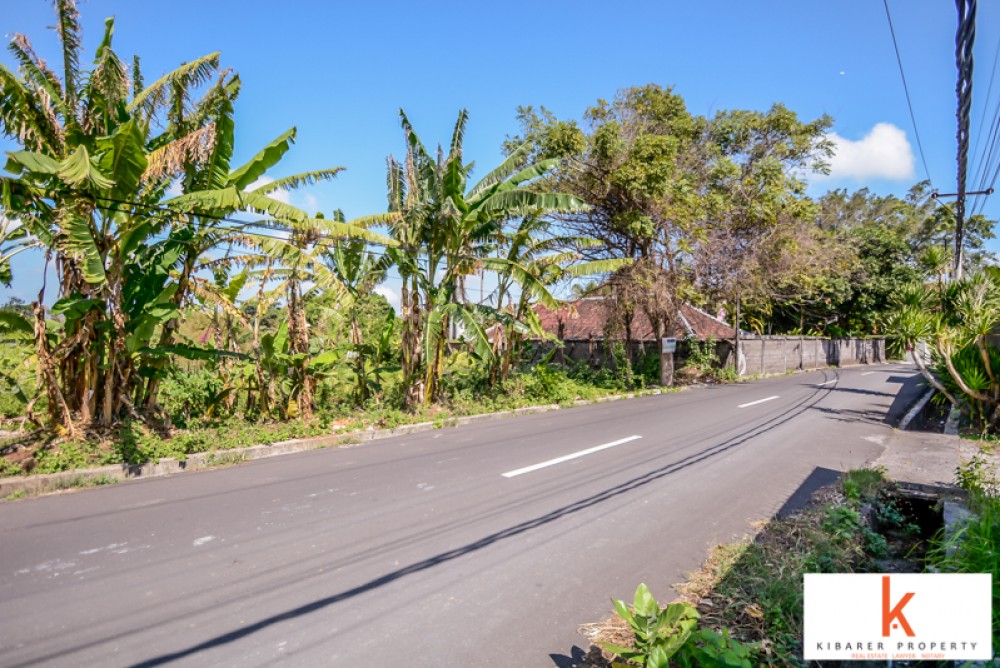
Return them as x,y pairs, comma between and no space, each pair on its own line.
959,240
964,39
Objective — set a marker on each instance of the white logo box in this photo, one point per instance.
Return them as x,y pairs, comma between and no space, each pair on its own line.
948,614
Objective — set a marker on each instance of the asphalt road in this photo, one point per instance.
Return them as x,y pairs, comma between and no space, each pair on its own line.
418,550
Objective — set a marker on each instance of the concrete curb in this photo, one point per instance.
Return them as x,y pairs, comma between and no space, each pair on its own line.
951,424
21,486
915,411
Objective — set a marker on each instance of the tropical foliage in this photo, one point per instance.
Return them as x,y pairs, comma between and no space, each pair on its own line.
956,320
448,231
185,287
91,188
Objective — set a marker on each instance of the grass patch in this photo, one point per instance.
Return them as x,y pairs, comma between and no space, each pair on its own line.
81,482
225,458
975,547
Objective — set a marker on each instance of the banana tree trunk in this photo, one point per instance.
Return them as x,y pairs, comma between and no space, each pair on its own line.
118,375
58,410
411,348
298,340
432,382
357,341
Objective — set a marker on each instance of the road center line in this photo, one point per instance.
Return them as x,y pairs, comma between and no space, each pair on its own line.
759,401
867,373
826,383
566,458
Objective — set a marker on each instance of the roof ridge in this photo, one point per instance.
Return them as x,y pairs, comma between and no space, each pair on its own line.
708,315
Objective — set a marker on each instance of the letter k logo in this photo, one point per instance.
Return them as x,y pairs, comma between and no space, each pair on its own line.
894,613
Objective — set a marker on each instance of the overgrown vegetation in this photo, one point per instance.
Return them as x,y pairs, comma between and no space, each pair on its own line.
955,320
758,593
703,363
747,600
975,546
748,597
199,429
187,292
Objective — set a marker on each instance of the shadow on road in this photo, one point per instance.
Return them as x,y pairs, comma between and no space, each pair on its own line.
493,538
819,477
573,660
854,415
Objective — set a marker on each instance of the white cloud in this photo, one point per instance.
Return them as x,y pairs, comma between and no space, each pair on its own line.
280,195
884,153
391,295
312,204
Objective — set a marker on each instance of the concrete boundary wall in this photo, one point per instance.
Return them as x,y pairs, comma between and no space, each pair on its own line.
763,355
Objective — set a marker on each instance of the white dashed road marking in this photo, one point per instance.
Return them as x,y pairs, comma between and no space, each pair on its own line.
759,401
566,458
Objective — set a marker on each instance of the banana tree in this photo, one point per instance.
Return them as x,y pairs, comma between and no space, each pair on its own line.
90,188
358,271
530,249
85,186
16,367
212,191
445,231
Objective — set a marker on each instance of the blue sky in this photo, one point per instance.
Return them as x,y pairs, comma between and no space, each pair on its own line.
340,70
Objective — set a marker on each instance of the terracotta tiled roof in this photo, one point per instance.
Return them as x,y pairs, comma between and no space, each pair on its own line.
584,319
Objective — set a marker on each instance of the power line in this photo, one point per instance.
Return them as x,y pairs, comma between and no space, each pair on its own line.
201,214
906,90
986,104
989,155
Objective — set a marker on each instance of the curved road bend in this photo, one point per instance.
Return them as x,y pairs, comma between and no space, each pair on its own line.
419,550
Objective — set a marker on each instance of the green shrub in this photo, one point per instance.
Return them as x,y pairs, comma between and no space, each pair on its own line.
191,394
670,636
702,362
862,484
67,456
975,547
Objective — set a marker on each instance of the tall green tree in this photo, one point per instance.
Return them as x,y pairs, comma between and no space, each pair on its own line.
891,242
90,187
444,233
708,209
637,169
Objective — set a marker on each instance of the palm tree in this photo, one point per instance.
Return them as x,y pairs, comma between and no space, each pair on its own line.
956,320
444,233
